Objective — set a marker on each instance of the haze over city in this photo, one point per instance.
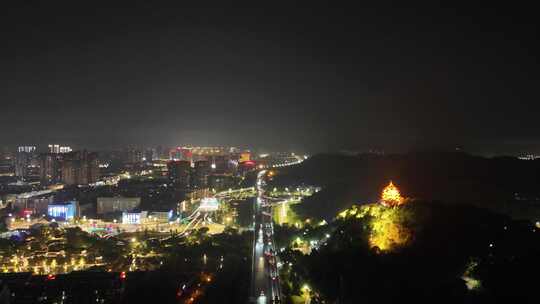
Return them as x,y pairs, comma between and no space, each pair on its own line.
316,78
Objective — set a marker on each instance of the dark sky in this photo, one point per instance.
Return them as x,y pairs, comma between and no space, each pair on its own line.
313,78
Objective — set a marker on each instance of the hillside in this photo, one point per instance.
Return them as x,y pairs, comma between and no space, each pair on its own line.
504,184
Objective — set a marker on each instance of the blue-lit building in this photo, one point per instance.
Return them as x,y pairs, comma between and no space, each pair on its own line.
63,211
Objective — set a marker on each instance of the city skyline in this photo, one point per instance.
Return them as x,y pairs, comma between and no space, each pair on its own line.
180,152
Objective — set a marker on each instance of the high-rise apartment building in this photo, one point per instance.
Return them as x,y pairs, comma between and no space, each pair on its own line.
80,168
179,173
200,174
24,161
134,155
50,169
54,148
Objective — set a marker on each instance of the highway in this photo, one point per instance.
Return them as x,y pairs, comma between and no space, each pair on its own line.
265,286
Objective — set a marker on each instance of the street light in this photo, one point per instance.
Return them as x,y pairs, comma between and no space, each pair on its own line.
306,291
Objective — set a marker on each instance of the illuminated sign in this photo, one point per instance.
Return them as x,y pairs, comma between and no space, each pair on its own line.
27,212
244,157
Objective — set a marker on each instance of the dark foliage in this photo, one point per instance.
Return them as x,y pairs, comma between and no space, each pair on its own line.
447,238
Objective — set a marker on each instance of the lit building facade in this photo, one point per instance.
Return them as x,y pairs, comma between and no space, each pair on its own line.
55,148
24,161
63,211
134,217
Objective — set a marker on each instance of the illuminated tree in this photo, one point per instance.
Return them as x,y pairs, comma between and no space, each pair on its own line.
389,228
387,234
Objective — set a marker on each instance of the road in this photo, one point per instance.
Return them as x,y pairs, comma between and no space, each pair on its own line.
265,286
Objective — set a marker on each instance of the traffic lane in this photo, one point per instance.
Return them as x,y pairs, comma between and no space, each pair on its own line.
273,271
266,271
273,279
260,282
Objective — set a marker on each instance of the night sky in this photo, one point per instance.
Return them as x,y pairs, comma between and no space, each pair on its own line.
280,77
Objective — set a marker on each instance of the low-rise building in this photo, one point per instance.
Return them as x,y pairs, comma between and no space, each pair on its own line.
134,217
115,204
161,216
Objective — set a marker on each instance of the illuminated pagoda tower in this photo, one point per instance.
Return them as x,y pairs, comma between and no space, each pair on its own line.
391,197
